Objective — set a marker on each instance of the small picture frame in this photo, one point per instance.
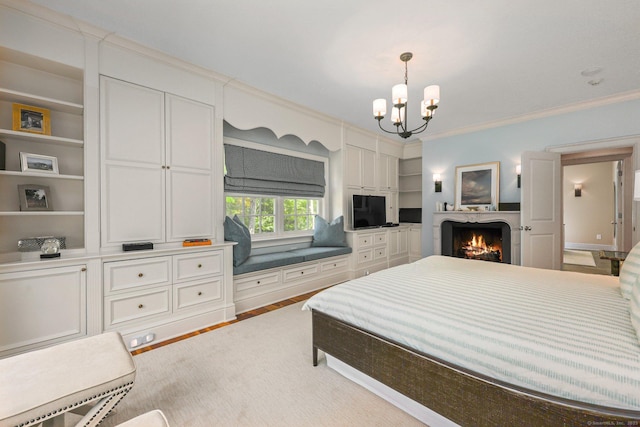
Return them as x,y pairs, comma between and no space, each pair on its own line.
38,163
478,186
27,118
34,198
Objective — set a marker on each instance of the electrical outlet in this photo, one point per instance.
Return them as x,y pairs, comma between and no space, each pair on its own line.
598,236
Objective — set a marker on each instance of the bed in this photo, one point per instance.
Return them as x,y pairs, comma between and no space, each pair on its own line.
485,343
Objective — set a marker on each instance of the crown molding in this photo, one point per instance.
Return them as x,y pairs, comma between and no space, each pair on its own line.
570,108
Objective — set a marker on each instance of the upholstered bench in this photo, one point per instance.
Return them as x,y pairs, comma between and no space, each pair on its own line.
41,386
280,259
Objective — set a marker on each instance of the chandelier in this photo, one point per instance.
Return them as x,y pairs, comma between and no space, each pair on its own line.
399,101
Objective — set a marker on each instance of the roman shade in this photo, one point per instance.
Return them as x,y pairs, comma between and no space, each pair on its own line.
261,172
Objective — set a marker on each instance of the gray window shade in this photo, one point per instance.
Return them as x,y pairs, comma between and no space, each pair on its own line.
261,172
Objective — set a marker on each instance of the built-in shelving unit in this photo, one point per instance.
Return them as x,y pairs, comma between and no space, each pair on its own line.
42,83
410,183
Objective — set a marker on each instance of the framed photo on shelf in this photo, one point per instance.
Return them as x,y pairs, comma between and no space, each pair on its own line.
27,118
478,186
38,163
34,198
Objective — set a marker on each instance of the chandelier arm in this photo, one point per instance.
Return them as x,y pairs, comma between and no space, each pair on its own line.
384,130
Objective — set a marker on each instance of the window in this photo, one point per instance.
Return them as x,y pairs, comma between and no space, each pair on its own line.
257,213
270,216
299,213
275,193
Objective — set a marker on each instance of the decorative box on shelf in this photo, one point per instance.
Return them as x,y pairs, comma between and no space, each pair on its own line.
32,244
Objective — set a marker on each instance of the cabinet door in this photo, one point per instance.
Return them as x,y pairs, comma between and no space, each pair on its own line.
368,168
415,242
360,168
392,173
133,192
353,167
42,307
189,169
132,123
133,204
403,241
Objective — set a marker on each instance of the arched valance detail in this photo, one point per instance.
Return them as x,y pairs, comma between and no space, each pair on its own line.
247,108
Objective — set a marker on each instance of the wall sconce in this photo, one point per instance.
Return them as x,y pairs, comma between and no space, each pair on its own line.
577,190
518,171
438,182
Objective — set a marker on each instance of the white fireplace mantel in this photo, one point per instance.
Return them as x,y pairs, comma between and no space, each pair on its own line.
509,217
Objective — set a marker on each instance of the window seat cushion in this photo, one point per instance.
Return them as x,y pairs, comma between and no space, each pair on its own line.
314,253
279,259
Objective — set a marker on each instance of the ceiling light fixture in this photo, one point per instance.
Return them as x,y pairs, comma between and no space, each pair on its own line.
399,101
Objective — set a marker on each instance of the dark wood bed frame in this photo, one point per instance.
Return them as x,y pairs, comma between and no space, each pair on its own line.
462,396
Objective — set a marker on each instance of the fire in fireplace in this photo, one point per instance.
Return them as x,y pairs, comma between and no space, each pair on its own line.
484,241
484,245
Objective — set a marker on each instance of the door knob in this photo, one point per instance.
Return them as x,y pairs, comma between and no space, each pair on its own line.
527,228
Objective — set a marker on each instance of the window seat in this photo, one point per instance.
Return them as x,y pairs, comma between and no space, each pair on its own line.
288,257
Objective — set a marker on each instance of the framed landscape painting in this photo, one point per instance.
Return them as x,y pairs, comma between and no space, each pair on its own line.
477,186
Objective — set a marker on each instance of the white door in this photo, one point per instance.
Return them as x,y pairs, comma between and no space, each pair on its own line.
541,210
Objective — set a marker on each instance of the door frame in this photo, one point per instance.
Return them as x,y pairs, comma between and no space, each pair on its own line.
625,155
612,146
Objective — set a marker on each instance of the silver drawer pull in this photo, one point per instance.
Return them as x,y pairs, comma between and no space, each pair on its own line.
140,306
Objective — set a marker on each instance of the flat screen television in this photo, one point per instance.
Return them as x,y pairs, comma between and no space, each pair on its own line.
369,211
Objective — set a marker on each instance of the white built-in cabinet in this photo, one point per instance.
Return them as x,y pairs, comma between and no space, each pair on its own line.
58,88
360,168
398,246
41,307
387,173
157,180
377,249
415,242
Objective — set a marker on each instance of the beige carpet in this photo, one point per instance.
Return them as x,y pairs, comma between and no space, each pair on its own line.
579,258
257,372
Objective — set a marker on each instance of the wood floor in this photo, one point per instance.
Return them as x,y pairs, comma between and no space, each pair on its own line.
242,316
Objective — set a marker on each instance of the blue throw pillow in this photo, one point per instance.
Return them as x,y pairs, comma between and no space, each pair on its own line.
325,234
236,231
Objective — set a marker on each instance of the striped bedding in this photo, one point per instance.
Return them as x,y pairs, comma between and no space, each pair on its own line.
561,333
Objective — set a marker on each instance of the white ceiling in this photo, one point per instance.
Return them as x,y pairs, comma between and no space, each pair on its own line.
494,60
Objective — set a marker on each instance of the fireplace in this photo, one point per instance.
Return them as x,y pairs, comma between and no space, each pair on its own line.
500,231
484,241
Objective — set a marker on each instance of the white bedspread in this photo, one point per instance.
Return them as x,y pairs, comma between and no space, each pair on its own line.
562,333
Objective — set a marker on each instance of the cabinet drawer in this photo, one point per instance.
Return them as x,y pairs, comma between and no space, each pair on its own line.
300,272
193,294
339,264
119,275
135,307
365,256
255,281
379,253
365,240
194,266
380,239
